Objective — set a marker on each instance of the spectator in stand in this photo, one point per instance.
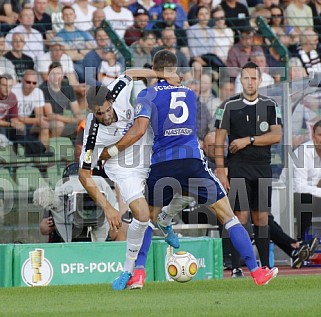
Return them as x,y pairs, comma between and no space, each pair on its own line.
10,125
31,108
141,50
119,17
43,21
205,109
54,9
93,59
169,15
33,38
259,59
6,66
78,43
239,54
235,14
136,31
21,61
98,17
169,43
299,15
133,5
224,36
226,90
277,19
307,51
56,54
156,13
8,17
110,69
201,44
191,16
315,6
59,95
84,15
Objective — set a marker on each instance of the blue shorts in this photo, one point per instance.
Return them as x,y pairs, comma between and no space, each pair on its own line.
189,177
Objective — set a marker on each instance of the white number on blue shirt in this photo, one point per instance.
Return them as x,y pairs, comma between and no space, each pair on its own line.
178,103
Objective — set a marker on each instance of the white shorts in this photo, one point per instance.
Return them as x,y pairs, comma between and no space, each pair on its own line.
131,182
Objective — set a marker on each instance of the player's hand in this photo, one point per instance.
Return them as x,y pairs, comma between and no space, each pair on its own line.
104,156
114,219
238,144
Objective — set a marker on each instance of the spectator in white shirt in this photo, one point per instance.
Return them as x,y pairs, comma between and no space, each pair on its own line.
84,14
33,38
119,17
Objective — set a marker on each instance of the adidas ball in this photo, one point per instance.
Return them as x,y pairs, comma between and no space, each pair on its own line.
182,266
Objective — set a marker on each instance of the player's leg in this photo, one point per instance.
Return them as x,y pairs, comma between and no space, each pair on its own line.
241,241
165,217
132,192
139,276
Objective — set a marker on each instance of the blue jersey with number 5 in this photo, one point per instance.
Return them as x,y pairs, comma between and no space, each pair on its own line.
172,114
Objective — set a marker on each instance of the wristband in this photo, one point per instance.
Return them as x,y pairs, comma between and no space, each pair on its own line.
112,150
252,139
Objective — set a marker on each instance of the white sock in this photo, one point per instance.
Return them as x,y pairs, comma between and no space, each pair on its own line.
177,204
135,236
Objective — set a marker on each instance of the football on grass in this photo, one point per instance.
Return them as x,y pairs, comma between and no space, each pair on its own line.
182,266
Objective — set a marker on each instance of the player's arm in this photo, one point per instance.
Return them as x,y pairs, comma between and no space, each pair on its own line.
91,187
139,74
134,133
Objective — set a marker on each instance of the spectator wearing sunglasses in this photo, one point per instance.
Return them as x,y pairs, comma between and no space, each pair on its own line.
156,13
31,111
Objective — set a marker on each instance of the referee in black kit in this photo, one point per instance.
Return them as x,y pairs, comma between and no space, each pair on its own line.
253,123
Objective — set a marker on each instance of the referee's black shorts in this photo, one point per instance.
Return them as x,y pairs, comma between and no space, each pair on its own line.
250,187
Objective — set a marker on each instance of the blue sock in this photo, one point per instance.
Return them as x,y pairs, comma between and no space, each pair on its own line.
241,242
142,255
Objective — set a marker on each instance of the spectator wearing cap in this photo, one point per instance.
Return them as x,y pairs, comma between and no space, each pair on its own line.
119,17
21,61
239,54
110,69
168,20
136,31
156,13
33,38
43,21
84,15
78,43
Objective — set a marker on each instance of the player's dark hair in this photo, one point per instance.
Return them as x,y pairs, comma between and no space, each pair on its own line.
316,125
253,66
163,59
97,95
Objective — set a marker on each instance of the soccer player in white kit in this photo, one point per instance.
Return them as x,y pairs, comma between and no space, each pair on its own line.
110,118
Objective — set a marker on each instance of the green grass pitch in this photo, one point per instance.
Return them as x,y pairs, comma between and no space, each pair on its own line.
284,296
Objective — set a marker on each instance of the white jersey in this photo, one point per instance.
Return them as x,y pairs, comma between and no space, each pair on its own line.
127,161
27,104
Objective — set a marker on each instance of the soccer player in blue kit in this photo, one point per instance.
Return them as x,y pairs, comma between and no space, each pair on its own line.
177,163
